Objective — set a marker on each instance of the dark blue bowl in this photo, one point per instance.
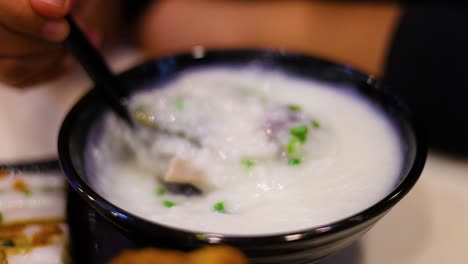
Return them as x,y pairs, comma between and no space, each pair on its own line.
304,246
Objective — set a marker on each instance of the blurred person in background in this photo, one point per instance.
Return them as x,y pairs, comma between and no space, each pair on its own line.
418,50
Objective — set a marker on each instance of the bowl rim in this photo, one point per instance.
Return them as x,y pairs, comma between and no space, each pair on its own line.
123,219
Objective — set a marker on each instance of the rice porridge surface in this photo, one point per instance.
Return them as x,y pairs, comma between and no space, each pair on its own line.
270,153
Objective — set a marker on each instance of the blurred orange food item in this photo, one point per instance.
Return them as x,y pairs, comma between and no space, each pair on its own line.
208,255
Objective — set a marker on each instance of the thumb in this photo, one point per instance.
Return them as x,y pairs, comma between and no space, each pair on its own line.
52,9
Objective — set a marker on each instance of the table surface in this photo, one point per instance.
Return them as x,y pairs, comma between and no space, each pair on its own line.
428,226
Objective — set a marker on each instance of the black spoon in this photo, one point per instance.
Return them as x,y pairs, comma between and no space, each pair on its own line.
111,90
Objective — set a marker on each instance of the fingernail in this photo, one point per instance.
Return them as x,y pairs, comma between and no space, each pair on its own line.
55,31
57,3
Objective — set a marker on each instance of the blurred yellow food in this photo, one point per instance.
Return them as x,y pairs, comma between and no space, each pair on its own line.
215,255
208,255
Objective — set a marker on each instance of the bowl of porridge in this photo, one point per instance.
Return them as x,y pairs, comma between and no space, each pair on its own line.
287,157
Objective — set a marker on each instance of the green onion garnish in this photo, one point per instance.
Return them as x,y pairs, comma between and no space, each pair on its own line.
291,147
315,124
27,192
160,191
8,243
47,189
295,108
294,161
300,132
179,104
247,163
219,207
168,204
252,92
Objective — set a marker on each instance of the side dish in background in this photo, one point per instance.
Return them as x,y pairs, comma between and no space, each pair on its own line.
32,216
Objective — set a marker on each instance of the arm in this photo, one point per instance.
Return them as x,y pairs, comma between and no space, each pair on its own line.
354,33
428,67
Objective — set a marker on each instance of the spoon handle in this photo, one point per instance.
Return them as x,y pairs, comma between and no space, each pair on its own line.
93,63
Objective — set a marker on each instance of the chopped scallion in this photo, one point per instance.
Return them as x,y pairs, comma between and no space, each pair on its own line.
291,147
247,163
219,207
300,132
160,191
168,204
47,189
27,192
294,162
253,92
295,108
315,124
179,104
